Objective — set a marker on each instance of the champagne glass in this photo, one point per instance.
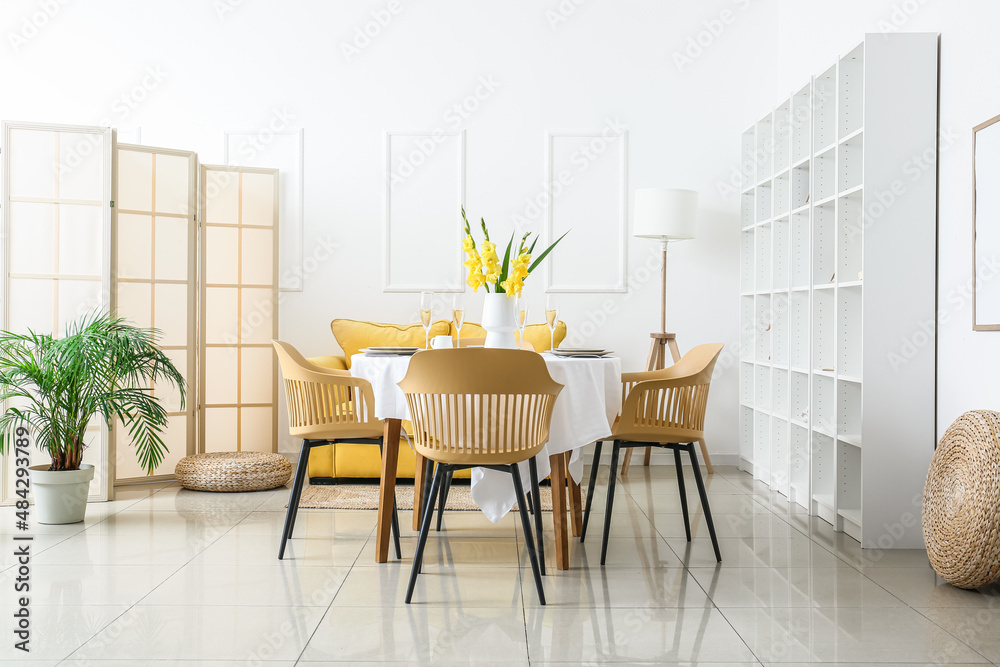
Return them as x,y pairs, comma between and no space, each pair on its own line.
426,312
551,318
458,314
522,315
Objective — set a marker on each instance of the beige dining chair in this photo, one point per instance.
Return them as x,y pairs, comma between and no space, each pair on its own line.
478,342
480,408
664,408
325,405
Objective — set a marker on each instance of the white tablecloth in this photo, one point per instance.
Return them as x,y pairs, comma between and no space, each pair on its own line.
584,411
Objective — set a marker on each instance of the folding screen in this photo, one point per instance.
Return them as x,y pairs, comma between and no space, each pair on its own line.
57,246
239,290
155,270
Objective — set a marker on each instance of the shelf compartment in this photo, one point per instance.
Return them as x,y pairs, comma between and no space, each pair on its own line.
746,383
849,330
850,238
779,455
780,329
824,418
800,255
825,109
748,331
747,209
851,91
801,112
763,202
762,394
779,393
798,393
763,243
762,328
824,476
849,412
824,259
824,330
798,332
765,147
850,163
748,169
781,248
746,433
798,189
782,136
762,444
824,176
782,195
849,485
746,261
798,465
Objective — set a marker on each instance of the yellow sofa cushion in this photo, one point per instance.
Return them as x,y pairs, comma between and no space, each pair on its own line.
354,335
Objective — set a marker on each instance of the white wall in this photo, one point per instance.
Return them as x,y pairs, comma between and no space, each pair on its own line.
237,64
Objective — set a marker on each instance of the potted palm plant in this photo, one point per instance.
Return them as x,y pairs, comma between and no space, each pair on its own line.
102,367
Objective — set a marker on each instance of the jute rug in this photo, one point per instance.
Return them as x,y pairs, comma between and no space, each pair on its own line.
364,497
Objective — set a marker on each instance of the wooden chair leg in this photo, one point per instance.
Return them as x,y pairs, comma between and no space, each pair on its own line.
611,500
648,456
425,529
591,489
708,459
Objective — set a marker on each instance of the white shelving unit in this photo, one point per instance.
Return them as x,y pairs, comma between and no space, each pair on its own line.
838,248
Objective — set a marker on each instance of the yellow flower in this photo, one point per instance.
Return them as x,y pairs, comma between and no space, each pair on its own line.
474,264
518,272
491,263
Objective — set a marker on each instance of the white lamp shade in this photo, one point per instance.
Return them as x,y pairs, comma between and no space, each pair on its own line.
665,213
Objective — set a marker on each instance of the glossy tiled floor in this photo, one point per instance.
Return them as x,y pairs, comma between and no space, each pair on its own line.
164,576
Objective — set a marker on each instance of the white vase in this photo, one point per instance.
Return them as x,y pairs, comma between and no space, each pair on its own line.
499,322
60,495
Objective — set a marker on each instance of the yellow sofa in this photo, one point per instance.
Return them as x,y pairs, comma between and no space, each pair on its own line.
346,461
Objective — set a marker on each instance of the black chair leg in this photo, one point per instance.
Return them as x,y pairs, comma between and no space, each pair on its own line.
704,500
680,487
591,489
537,512
532,555
445,488
425,528
395,530
611,499
293,499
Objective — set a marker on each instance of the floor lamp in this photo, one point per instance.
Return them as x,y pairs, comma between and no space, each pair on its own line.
664,214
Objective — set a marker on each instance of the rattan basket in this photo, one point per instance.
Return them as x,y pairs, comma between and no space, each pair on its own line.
961,515
233,471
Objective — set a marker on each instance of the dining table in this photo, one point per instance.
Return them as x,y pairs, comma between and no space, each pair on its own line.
584,411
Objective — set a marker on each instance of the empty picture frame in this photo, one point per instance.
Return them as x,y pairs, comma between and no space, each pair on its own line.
986,225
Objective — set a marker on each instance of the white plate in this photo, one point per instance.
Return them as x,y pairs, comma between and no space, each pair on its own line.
573,352
390,351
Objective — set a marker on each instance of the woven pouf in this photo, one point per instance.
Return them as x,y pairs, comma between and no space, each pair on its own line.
962,502
233,471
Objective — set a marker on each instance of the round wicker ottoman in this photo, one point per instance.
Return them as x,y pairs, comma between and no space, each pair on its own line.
962,502
233,471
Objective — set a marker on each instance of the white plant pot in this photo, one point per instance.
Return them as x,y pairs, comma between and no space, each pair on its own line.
60,495
499,322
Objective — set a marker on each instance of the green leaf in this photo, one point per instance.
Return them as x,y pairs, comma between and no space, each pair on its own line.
545,252
506,261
